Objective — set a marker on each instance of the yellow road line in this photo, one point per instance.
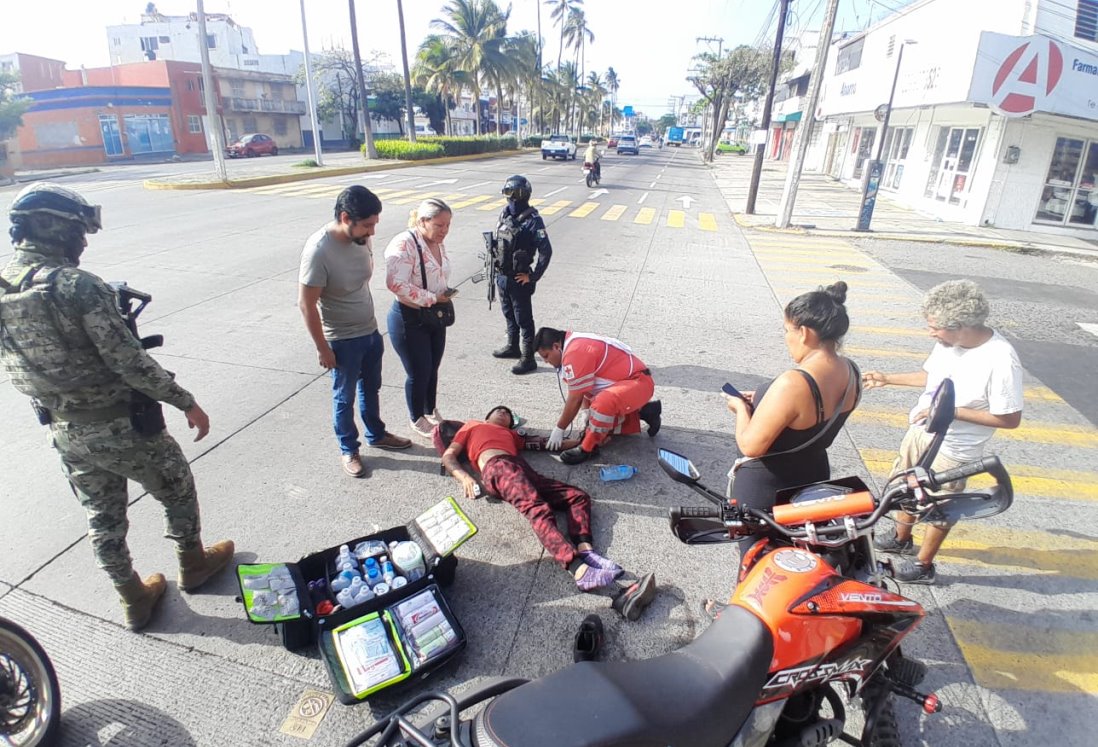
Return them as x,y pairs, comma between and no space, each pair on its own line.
676,218
454,196
892,331
883,353
827,267
470,201
1005,656
413,198
613,213
707,221
645,216
497,204
399,193
1060,434
556,207
805,244
584,210
535,201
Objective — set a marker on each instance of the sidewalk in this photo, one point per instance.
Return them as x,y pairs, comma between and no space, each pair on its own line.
827,207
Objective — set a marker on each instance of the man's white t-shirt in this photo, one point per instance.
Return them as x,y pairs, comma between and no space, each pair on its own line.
987,377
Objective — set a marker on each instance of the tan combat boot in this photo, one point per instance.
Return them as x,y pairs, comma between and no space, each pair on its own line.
198,566
139,598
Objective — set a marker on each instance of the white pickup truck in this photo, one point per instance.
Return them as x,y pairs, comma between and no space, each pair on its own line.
558,146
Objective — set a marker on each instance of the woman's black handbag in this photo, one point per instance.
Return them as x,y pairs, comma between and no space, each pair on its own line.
438,316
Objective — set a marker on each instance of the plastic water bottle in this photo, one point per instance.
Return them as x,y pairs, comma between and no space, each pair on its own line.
346,557
343,580
387,572
346,598
356,586
365,594
373,578
613,472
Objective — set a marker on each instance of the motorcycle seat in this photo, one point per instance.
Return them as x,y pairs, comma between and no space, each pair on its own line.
696,696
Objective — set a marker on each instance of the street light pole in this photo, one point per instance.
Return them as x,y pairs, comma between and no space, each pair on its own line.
871,183
213,121
309,90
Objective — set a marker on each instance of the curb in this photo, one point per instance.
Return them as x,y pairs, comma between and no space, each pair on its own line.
264,181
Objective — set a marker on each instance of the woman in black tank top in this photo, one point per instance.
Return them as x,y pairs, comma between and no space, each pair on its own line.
790,411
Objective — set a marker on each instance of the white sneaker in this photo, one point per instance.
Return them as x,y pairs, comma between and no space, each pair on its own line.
422,427
434,418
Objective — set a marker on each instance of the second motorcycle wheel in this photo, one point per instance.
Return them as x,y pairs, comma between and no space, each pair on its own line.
30,696
590,179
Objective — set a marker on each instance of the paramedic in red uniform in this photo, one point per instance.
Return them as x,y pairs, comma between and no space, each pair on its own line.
602,374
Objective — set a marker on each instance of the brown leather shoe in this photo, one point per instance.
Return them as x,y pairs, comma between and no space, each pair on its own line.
392,443
352,465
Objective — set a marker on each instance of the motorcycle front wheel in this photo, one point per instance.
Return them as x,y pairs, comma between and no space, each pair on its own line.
30,697
590,180
881,731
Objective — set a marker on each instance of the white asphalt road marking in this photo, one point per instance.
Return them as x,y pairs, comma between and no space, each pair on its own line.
479,184
555,191
643,197
685,200
653,184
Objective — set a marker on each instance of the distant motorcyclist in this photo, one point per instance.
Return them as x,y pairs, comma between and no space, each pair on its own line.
593,157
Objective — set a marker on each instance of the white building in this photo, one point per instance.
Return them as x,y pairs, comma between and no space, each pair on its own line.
991,123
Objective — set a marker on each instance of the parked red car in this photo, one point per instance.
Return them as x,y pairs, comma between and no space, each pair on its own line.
255,144
612,142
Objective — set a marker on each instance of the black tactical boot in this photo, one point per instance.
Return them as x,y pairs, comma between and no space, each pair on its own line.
526,363
650,414
510,349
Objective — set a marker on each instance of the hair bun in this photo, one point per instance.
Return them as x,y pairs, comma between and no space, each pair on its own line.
837,291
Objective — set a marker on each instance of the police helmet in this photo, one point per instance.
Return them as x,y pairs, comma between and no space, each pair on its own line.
46,198
517,188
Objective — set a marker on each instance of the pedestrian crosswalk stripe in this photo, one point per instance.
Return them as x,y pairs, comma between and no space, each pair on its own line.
613,213
707,221
413,198
855,283
803,248
645,216
470,201
1060,434
497,204
875,291
398,193
801,256
454,196
823,266
584,210
892,331
859,352
1066,555
1006,656
1043,482
676,218
556,207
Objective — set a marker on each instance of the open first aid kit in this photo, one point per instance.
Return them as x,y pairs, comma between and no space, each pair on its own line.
373,605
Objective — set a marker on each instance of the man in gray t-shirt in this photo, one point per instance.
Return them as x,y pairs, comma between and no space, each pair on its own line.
334,297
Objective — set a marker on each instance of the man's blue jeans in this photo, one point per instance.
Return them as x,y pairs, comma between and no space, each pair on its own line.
358,366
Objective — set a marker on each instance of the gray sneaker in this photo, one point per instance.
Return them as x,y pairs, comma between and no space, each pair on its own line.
914,572
890,544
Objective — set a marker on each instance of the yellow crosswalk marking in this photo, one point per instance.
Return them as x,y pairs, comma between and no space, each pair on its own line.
1060,434
825,267
413,198
1071,485
583,210
809,249
497,204
1013,657
470,201
645,216
613,213
556,207
892,331
536,201
707,221
884,353
676,218
399,193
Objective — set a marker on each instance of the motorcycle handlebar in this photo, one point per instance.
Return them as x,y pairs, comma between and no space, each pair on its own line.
987,464
699,512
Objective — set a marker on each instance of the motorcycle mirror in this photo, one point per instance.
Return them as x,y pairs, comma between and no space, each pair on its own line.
678,467
478,278
942,408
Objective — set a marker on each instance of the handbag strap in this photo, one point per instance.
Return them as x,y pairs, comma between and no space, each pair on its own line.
854,376
422,269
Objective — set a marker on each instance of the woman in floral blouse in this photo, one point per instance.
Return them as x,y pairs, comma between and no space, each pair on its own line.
420,347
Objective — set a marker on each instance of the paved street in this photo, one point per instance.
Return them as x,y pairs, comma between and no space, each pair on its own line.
656,259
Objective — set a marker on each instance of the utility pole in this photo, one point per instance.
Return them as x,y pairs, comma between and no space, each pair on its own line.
541,114
368,133
760,149
213,121
309,91
804,131
407,77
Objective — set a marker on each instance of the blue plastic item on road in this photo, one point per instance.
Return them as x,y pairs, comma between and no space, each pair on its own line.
610,473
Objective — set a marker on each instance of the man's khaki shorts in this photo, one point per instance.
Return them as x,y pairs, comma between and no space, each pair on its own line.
916,441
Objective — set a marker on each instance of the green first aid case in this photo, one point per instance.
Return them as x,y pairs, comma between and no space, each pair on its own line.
380,642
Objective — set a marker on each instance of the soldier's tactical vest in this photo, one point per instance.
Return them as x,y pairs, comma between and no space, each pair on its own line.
505,234
44,350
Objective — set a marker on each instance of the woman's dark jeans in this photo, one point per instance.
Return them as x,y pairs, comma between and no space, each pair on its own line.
420,349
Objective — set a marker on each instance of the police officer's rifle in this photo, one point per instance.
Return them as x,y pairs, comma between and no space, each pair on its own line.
127,297
490,255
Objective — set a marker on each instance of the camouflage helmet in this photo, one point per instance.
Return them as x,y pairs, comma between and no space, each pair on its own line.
48,199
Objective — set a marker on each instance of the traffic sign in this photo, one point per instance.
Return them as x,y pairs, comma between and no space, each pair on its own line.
627,111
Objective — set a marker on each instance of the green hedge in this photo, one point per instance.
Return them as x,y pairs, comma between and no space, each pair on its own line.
404,151
533,141
471,144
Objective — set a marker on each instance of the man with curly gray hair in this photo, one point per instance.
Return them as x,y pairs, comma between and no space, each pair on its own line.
987,377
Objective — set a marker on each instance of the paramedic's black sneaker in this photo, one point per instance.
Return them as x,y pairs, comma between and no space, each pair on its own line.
631,602
589,639
914,572
576,455
891,544
650,414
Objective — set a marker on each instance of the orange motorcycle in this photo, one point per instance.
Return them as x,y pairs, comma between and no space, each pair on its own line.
811,619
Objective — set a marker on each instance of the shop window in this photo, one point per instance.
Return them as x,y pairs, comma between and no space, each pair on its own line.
211,41
165,40
897,145
280,126
865,150
1086,20
56,135
149,44
250,125
1069,196
951,166
194,124
149,133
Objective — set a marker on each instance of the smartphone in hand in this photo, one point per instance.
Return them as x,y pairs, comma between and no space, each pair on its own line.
732,391
451,292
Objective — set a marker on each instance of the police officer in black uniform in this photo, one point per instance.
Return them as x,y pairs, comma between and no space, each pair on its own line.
523,256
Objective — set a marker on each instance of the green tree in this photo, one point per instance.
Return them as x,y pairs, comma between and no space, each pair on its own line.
387,99
12,105
477,30
437,71
743,70
562,10
612,85
667,121
337,89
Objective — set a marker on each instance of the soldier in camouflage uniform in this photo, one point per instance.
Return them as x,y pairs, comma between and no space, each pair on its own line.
64,343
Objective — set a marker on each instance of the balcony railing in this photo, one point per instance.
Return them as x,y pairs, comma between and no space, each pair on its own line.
266,105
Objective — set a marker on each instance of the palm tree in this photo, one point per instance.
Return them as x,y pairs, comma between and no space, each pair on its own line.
596,92
522,51
612,85
477,29
576,33
436,71
568,80
561,11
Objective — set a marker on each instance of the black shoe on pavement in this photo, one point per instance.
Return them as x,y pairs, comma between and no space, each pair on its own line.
631,602
524,366
650,414
891,544
589,639
576,455
510,349
914,572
